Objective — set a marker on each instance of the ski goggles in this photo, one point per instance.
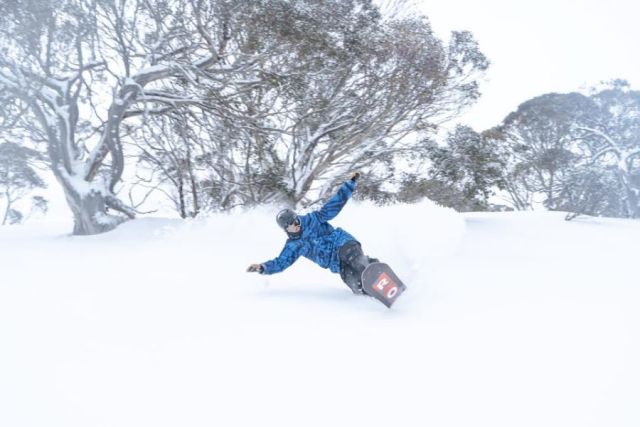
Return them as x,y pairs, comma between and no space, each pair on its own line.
296,222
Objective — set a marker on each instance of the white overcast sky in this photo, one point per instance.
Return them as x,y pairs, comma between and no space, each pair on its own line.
542,46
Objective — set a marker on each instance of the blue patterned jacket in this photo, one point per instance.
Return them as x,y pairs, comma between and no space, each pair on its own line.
319,241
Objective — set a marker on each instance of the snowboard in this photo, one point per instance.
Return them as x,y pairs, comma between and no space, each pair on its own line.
379,281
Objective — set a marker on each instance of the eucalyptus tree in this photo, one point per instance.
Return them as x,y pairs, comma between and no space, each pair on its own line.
338,87
609,134
361,106
537,146
581,152
82,68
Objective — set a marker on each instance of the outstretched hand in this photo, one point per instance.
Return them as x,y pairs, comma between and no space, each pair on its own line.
355,176
255,268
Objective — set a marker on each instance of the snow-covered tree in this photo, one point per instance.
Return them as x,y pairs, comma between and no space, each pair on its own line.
48,58
81,68
349,94
609,133
580,152
536,145
361,107
340,88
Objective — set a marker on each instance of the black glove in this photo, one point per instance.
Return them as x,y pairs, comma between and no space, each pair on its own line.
255,268
355,176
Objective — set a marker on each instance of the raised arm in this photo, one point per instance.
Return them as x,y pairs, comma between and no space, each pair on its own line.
335,204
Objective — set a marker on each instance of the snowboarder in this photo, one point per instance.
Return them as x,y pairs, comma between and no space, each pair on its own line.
313,237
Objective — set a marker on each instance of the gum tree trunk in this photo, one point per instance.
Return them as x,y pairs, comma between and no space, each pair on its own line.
89,213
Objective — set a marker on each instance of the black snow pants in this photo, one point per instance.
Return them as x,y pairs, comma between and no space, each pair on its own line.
352,263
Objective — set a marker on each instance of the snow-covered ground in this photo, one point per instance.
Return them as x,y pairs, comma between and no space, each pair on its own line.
510,319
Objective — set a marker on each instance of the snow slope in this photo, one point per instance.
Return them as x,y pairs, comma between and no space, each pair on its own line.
511,319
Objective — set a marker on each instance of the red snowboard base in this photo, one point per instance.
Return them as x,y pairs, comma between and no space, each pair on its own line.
379,281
